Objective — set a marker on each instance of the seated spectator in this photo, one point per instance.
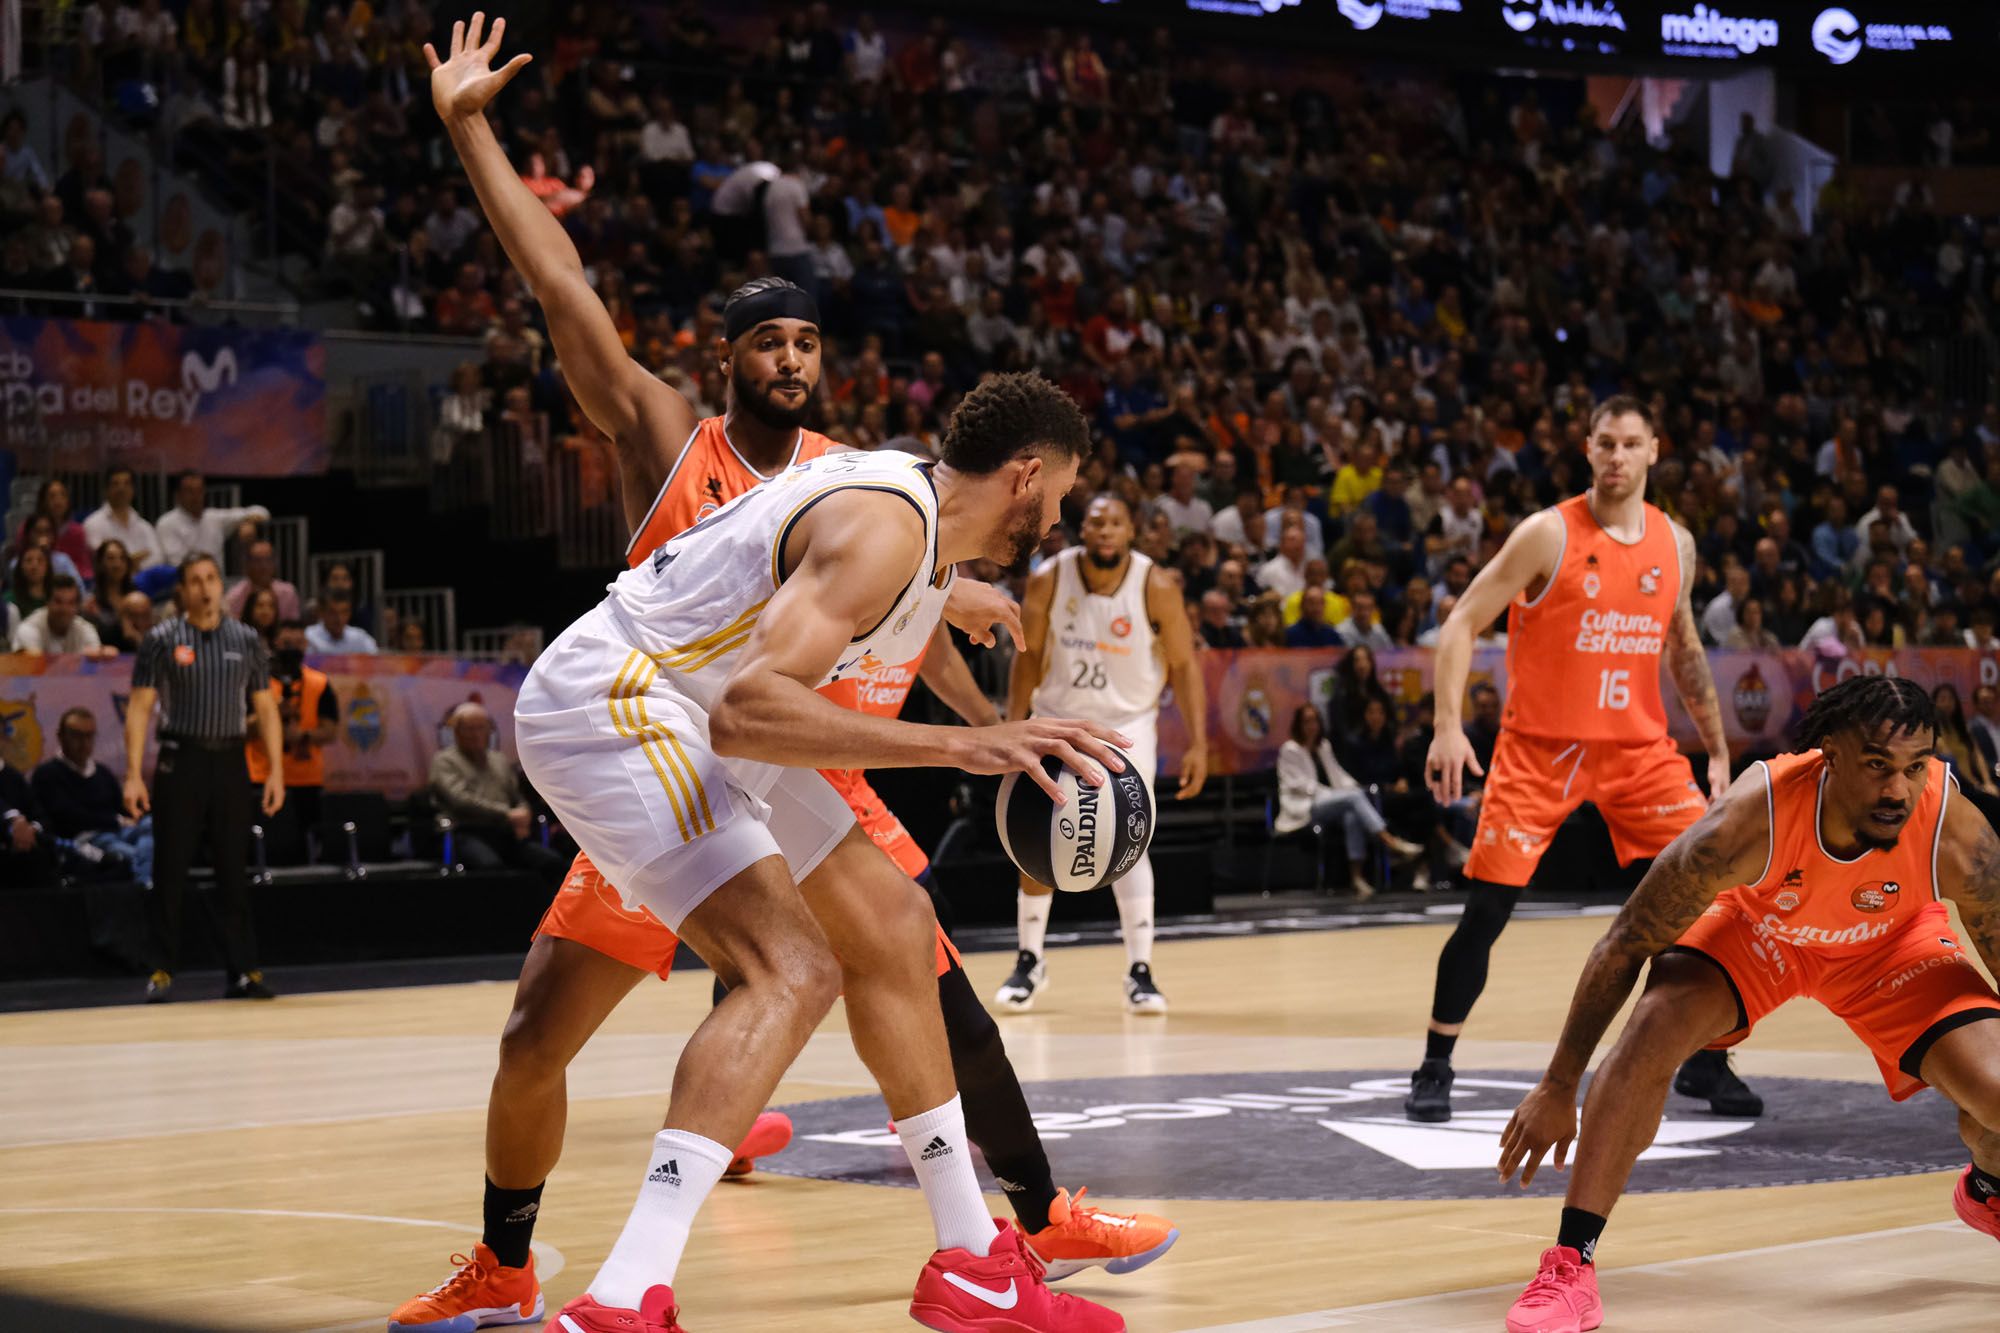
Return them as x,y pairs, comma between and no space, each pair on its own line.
1285,572
113,581
116,520
40,532
481,790
1749,631
1720,617
1218,626
1187,511
134,623
260,612
1363,625
60,626
67,535
191,527
1264,627
1355,682
1314,789
1985,725
27,589
410,637
1888,517
1370,751
334,631
260,573
27,856
1955,745
1312,629
81,800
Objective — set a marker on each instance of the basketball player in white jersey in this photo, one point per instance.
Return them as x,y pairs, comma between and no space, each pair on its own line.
1105,634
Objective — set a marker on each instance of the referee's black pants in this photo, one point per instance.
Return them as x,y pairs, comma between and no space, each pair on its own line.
198,789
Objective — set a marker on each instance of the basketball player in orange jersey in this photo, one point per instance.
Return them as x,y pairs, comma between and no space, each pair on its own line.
1596,593
590,950
1822,873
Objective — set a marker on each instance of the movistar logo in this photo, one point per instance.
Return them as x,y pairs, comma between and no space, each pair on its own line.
199,376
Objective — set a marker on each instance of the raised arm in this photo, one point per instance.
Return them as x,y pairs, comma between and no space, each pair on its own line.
1969,875
1530,554
1029,664
851,556
1164,609
1687,662
648,420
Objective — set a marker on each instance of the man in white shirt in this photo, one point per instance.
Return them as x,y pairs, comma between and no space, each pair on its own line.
787,218
192,528
334,631
118,521
1459,522
1232,526
1285,572
1364,624
1294,507
1720,617
1184,509
664,138
1894,522
58,627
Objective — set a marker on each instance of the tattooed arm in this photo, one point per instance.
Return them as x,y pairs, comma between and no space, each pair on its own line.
1688,663
1728,846
1969,875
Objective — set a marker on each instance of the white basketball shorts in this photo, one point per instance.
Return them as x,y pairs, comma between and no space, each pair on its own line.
623,759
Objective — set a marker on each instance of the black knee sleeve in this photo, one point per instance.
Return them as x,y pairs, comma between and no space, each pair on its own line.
997,1119
1461,972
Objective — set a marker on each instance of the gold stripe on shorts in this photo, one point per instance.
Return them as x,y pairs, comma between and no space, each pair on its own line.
657,737
624,719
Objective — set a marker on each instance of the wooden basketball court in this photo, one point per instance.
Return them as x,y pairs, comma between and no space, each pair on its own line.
308,1164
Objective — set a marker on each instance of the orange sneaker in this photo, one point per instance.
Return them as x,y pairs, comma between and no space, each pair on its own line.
771,1132
1980,1214
1561,1299
1081,1236
481,1294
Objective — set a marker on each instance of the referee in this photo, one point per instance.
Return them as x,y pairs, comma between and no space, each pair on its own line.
206,670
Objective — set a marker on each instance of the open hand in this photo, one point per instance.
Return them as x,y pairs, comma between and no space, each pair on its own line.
1020,747
463,85
974,608
1545,1116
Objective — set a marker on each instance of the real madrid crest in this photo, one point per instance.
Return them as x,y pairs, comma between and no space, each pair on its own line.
903,621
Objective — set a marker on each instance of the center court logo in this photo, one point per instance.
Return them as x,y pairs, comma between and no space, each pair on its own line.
1342,1135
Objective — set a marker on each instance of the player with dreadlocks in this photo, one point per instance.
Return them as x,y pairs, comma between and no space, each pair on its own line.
1819,873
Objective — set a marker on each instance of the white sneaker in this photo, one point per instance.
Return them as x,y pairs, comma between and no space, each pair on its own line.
1141,995
1029,978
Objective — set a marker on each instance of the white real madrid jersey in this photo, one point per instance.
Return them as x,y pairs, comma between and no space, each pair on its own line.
1102,658
693,604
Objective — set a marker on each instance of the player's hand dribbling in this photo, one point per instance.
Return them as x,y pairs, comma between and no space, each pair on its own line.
1444,767
1011,747
1545,1116
463,85
974,608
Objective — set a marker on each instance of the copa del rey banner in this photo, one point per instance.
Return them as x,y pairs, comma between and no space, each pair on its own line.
392,712
235,402
1252,693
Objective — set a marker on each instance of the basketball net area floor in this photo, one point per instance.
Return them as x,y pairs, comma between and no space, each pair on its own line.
307,1164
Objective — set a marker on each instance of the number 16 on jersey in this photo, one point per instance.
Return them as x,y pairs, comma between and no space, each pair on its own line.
1614,689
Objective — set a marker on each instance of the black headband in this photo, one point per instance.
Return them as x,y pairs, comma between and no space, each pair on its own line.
741,316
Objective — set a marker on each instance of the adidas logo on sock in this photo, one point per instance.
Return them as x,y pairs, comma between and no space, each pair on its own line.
525,1213
666,1173
936,1148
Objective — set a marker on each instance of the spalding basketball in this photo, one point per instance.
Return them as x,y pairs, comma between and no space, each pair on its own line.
1095,836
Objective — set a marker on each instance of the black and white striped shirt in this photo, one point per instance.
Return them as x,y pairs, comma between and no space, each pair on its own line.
206,678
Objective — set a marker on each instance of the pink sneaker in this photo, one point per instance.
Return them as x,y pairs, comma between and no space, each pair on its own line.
1002,1291
656,1314
1981,1216
1561,1299
771,1132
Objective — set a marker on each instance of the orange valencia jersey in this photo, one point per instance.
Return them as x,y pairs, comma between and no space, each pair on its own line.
1812,899
708,475
1583,655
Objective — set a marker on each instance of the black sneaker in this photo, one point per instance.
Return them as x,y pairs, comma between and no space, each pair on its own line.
249,986
1030,975
1141,995
1429,1101
159,987
1706,1076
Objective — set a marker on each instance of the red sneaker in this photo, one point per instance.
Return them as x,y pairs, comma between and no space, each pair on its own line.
656,1314
771,1132
1002,1292
1561,1299
1981,1215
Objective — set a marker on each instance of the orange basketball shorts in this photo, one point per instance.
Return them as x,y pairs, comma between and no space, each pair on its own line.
588,910
1646,793
1898,994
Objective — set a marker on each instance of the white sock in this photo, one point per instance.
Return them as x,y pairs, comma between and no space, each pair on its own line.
680,1172
1032,913
1135,912
942,1159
